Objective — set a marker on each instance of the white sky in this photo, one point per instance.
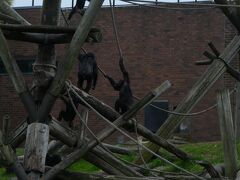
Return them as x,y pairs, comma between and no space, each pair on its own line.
68,3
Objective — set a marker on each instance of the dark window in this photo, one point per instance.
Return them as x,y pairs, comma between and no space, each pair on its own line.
25,65
154,118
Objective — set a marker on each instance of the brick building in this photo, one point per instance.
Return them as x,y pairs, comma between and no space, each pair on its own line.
158,45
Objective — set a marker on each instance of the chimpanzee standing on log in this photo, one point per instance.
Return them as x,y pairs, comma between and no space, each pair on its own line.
88,71
77,8
125,100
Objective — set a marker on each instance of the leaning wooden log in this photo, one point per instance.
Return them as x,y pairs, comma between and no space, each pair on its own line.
62,133
108,130
36,149
17,136
40,38
230,12
16,77
101,163
9,19
113,161
9,160
5,8
200,88
227,133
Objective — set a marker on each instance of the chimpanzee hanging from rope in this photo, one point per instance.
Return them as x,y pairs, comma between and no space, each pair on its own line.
125,100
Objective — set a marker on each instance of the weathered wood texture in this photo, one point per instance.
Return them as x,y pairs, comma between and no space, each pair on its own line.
82,129
36,147
199,89
11,66
227,133
108,130
9,19
6,9
64,134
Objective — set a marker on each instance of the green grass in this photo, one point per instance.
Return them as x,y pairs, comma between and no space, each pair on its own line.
212,152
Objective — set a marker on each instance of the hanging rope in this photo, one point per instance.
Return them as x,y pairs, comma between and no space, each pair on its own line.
115,29
64,17
130,137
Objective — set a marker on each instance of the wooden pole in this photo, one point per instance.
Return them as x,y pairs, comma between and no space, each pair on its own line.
199,89
227,133
35,151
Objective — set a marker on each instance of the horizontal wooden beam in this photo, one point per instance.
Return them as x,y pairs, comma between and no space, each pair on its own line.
40,38
42,29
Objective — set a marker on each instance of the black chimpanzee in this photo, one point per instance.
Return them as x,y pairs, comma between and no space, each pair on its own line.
88,71
68,114
125,99
77,8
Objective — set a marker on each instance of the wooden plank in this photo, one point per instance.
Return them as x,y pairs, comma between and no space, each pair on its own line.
36,147
199,89
227,133
106,132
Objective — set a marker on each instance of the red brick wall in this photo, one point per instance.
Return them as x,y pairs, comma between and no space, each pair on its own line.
158,45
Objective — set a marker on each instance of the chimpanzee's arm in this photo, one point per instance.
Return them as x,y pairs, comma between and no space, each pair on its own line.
95,74
124,71
115,85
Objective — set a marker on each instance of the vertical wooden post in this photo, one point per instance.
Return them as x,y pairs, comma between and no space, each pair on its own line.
237,111
6,128
227,133
36,147
44,67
